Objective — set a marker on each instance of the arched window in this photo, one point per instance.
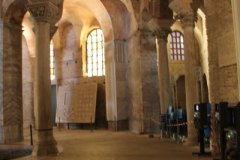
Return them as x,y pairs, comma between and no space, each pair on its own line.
177,46
52,65
95,53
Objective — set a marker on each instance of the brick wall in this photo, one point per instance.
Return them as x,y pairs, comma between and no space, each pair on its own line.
228,84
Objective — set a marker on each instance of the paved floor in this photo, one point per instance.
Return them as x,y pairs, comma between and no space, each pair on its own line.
106,145
14,151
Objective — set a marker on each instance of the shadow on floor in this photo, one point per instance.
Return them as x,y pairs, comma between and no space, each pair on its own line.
8,152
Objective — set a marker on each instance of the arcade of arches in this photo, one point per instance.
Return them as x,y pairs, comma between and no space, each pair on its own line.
143,56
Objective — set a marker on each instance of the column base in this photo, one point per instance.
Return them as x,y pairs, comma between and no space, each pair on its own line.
46,144
191,141
120,125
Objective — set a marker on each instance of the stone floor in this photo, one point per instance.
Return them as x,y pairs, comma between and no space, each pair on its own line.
106,145
14,151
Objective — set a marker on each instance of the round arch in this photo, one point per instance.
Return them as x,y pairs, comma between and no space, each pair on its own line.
103,14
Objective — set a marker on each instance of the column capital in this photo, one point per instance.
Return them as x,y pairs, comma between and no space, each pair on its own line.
53,30
157,27
185,10
162,33
44,11
187,19
179,6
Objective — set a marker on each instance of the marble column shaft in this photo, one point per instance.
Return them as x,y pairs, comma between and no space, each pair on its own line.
191,78
42,79
46,143
163,71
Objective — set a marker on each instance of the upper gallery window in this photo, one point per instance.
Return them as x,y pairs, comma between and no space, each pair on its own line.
95,53
177,46
52,65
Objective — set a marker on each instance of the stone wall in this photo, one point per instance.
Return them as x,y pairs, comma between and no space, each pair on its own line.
221,48
27,85
181,93
69,68
225,42
67,61
176,68
228,84
227,53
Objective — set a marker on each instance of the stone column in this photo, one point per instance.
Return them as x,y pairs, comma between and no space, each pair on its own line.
236,22
42,93
43,13
191,78
163,70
